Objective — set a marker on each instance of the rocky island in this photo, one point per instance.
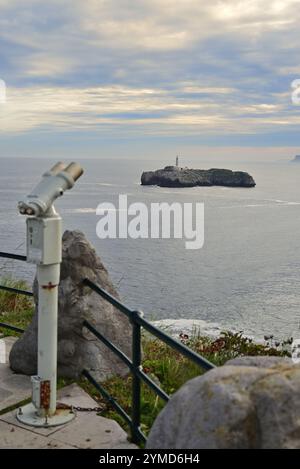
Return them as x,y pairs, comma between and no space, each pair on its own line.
174,176
296,159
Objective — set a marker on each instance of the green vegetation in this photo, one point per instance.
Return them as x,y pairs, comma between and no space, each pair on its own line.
166,367
171,370
14,309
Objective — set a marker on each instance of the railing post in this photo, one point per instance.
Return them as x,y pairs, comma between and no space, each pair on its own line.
136,383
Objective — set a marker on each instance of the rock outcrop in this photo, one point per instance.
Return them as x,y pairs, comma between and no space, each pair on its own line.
296,159
250,403
78,348
173,176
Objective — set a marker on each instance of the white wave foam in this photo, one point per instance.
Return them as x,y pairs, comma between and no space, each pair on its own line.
188,326
201,327
79,210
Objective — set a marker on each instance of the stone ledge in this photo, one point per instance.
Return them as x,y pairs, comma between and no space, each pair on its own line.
87,430
14,387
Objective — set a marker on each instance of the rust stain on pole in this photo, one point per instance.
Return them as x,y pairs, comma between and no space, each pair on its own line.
45,394
49,286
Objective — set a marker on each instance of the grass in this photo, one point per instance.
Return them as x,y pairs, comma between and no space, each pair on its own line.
15,309
169,369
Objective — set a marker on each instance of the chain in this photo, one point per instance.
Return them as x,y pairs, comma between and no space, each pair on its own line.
88,409
60,405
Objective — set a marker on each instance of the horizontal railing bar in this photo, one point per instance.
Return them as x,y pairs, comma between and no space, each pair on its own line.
153,386
127,361
108,397
175,344
142,437
112,300
136,370
16,290
17,257
200,361
111,346
12,328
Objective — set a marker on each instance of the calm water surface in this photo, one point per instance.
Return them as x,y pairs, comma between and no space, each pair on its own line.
247,275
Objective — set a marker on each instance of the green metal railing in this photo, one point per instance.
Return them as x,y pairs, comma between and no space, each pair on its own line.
17,257
134,363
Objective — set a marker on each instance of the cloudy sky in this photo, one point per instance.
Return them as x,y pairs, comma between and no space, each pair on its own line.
112,77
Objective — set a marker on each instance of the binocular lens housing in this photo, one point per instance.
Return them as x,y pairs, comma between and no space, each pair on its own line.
53,184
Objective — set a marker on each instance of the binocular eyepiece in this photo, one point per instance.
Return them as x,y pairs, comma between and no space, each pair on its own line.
54,183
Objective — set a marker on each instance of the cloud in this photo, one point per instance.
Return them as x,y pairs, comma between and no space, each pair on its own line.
155,67
139,111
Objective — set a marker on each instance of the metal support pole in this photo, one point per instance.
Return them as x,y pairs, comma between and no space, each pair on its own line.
136,383
44,248
48,280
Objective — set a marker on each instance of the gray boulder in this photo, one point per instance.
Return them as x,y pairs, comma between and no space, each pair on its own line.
259,362
234,406
77,347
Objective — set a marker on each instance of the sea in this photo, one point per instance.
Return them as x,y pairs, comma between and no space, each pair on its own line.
246,277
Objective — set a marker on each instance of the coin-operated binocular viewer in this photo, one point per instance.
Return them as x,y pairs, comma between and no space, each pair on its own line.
44,248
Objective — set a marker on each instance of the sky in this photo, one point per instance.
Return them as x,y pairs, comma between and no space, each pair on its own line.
133,78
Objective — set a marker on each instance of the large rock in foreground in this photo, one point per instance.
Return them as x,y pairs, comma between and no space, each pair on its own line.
77,348
236,406
173,176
